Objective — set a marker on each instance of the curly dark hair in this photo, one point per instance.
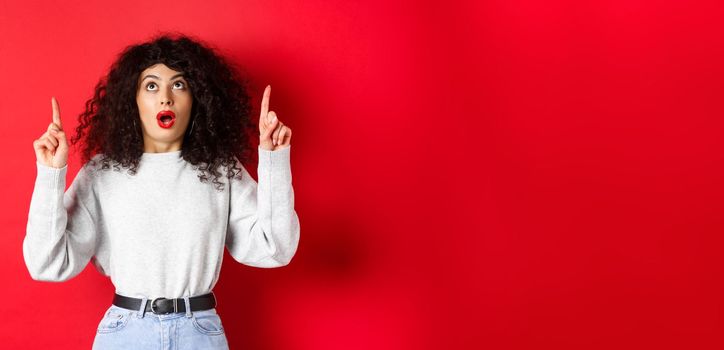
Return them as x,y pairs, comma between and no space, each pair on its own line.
221,109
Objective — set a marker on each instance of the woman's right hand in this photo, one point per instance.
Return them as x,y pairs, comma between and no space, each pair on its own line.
51,149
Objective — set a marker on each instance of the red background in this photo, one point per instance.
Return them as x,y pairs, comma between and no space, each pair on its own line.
507,175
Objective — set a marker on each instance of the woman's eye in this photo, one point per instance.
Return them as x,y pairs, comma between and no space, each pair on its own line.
148,87
181,85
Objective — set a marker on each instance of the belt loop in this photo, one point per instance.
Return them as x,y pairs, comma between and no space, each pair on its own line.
142,310
188,306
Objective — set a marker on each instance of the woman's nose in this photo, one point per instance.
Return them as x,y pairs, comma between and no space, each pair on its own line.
166,99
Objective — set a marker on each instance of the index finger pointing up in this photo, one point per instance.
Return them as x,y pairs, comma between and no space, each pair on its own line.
265,104
56,113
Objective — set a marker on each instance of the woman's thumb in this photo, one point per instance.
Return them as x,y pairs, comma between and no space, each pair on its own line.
62,141
272,124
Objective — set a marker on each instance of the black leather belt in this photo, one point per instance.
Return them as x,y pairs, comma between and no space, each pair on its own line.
162,306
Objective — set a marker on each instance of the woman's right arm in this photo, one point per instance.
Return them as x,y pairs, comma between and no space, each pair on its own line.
60,237
61,234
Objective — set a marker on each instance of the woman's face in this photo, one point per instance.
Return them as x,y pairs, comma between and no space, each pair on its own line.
164,104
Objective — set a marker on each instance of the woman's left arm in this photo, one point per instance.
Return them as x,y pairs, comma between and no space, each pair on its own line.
263,228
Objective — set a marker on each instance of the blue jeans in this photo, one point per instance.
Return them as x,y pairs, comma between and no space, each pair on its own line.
134,329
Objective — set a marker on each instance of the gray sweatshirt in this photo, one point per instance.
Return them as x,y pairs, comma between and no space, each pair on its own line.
160,232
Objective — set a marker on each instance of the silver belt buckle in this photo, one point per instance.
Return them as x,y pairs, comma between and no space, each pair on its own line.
153,306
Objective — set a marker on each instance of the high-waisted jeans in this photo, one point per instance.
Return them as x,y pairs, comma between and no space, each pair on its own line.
134,329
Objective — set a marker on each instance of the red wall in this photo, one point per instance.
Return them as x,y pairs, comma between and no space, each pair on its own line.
515,174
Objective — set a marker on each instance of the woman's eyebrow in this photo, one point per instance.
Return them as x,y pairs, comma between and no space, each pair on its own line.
156,77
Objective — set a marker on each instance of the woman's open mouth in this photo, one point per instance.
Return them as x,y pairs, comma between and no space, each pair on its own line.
165,119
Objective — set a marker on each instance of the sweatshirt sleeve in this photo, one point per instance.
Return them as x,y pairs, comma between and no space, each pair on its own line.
60,236
263,228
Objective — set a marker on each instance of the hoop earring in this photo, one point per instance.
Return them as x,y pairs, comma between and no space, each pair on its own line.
193,122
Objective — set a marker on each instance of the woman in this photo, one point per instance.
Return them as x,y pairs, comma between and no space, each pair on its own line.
177,116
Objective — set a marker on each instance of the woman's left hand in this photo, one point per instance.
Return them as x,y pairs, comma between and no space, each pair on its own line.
273,134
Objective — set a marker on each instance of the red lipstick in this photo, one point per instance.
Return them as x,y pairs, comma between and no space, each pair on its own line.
166,119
